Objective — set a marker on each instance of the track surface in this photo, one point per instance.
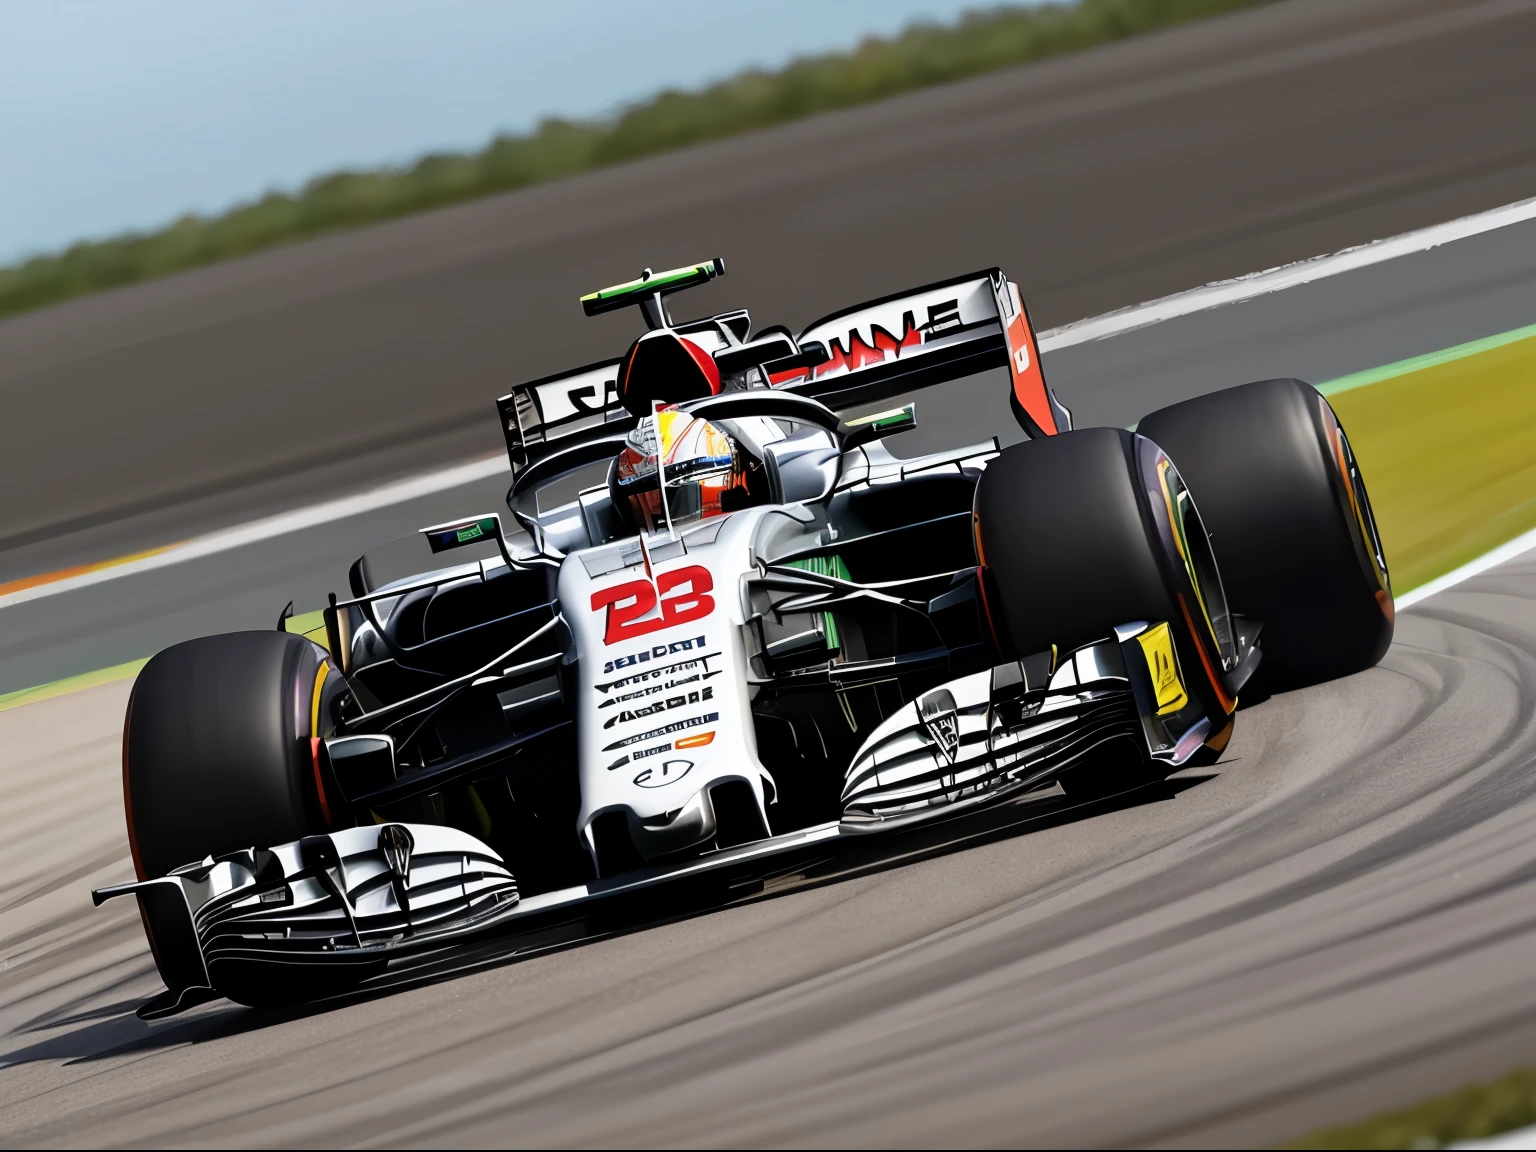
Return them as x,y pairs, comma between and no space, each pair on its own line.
1334,919
145,415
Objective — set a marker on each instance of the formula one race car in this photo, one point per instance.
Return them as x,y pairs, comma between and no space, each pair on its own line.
724,621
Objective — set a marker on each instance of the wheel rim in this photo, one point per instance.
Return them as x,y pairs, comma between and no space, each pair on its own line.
1193,545
1358,499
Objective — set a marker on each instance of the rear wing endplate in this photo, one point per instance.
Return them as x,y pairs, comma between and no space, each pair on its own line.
929,335
555,407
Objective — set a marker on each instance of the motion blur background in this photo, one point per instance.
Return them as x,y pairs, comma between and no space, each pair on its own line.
264,268
125,117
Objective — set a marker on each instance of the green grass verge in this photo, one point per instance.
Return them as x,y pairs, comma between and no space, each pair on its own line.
128,671
1447,444
1428,360
1472,1112
311,624
923,55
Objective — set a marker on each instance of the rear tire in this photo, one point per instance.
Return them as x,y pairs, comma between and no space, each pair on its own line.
216,752
1291,522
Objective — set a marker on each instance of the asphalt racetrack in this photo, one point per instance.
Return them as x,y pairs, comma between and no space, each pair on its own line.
1338,916
1334,918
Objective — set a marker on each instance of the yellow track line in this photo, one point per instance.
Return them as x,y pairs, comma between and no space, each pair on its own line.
82,569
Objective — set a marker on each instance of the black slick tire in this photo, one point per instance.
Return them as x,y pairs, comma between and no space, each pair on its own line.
216,749
1291,523
1074,537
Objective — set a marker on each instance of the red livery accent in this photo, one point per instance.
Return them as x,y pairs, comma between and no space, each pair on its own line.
314,759
857,353
788,376
706,364
1024,367
662,367
629,603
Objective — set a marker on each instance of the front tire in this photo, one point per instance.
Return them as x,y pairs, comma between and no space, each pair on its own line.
1291,522
217,757
1079,532
216,749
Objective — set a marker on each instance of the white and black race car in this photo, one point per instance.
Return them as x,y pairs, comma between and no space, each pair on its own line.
723,621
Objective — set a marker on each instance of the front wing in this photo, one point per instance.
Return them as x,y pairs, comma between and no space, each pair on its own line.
368,895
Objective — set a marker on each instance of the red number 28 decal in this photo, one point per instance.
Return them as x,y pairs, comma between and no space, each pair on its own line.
628,603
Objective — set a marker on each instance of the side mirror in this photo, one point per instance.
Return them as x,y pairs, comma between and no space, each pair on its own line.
880,425
362,764
458,533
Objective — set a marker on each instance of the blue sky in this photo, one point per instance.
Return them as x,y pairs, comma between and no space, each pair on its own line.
124,114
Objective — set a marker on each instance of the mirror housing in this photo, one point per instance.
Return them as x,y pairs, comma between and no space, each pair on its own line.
457,533
362,764
880,425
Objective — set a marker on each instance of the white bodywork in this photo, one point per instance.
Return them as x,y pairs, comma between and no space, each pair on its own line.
663,709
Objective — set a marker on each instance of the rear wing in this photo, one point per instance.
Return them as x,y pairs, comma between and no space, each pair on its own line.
861,355
926,336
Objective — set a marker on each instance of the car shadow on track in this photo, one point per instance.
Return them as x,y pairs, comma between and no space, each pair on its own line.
122,1034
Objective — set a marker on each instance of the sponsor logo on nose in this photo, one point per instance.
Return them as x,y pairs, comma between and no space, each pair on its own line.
666,772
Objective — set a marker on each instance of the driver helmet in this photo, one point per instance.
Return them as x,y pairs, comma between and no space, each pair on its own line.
704,469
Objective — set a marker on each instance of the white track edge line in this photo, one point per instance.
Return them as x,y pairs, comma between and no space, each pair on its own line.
1515,1138
1202,299
282,524
1224,292
1492,559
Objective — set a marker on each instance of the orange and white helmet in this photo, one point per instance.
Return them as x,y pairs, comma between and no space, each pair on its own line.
701,464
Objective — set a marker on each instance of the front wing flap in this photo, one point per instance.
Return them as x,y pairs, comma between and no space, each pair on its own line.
352,896
1020,726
